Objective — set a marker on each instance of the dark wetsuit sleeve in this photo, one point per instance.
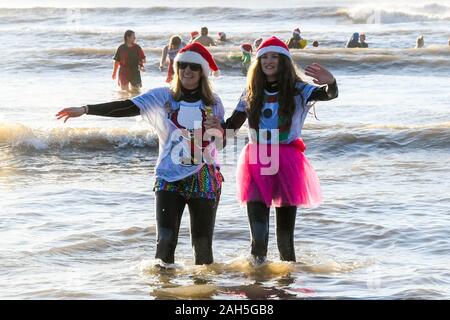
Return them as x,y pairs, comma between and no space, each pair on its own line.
325,93
236,120
125,108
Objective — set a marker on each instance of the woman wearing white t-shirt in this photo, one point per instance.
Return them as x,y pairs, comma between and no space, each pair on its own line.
187,172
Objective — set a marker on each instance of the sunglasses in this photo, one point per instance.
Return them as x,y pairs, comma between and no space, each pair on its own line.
192,66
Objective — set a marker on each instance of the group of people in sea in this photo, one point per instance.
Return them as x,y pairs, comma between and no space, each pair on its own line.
130,57
190,122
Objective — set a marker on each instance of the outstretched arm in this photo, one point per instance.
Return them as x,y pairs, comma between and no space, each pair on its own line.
124,108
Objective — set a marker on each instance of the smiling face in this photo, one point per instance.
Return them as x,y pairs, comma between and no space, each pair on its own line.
269,65
189,79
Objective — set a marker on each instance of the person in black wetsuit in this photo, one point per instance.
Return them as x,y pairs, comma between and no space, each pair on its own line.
186,170
276,103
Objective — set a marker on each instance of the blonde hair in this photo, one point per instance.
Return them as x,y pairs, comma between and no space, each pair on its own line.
174,40
205,86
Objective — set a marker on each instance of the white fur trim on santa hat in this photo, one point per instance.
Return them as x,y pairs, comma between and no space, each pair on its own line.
193,57
276,49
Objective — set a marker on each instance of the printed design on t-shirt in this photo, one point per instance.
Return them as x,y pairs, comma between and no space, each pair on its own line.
271,119
190,119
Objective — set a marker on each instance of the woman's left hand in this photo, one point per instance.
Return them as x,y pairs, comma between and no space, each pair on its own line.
319,74
212,122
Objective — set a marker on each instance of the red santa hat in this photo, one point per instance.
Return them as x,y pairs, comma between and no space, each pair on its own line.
273,44
194,34
246,47
197,53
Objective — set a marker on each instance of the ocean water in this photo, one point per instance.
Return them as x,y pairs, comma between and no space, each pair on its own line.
77,207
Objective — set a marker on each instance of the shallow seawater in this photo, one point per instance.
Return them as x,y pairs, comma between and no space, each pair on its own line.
77,208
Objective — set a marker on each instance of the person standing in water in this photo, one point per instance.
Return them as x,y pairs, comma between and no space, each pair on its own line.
272,168
204,39
246,49
187,172
170,51
129,60
296,41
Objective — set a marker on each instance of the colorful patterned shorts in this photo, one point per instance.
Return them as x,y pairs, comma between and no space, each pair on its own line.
206,183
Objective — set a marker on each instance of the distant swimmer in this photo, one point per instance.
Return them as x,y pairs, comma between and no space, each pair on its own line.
246,49
353,41
130,58
257,42
204,39
296,41
194,34
362,41
420,42
315,44
221,37
169,52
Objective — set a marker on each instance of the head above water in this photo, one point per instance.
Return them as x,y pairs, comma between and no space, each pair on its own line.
194,34
129,37
315,43
222,36
420,42
204,31
362,37
355,36
174,41
257,42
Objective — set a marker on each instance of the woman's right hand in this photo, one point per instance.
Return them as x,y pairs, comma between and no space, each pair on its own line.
70,113
114,76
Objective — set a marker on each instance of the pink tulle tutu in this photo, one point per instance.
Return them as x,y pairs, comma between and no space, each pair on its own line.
278,175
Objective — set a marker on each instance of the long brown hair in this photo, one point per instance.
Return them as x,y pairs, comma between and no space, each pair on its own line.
206,91
174,42
256,82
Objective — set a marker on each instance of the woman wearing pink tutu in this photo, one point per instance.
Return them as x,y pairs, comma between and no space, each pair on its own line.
272,169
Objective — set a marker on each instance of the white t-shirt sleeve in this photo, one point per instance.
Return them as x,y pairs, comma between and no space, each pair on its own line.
306,90
152,103
219,110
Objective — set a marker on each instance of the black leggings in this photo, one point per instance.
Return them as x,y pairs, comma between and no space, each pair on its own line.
169,209
258,217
